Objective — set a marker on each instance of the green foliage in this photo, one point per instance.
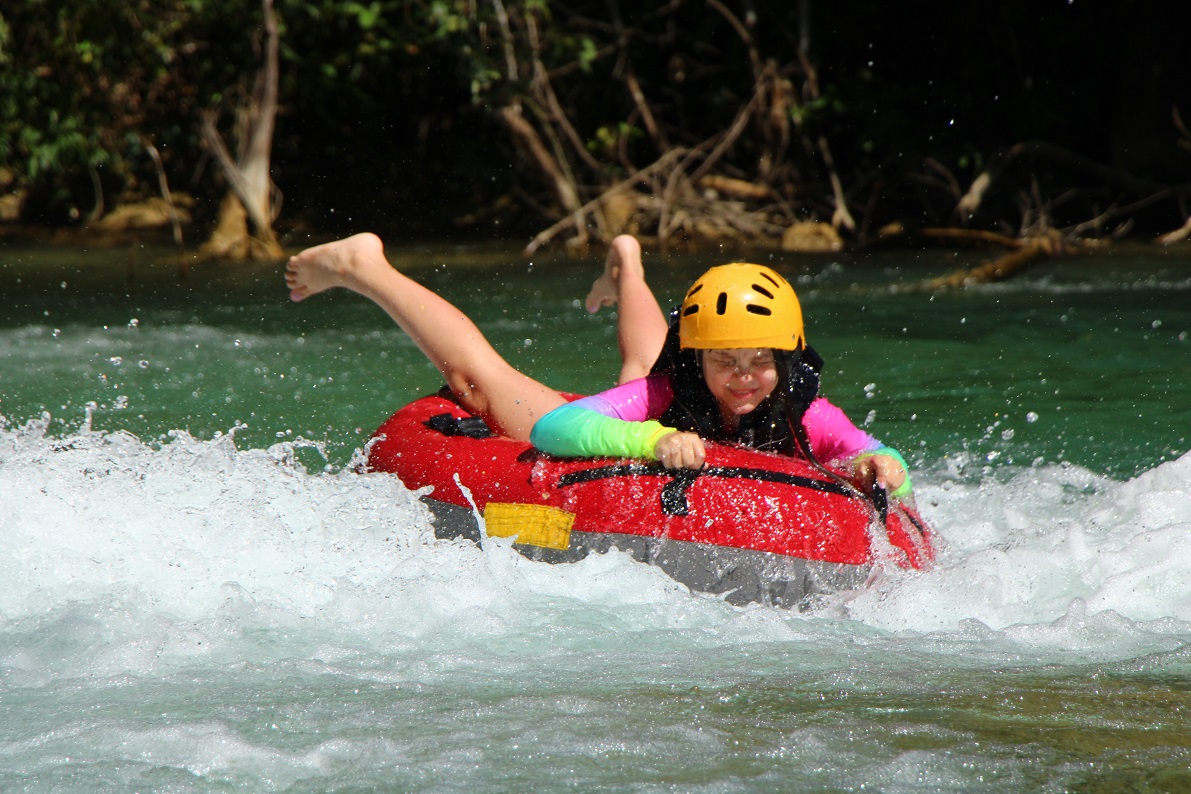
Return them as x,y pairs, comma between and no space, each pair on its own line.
367,15
446,19
82,78
389,99
607,138
5,57
89,76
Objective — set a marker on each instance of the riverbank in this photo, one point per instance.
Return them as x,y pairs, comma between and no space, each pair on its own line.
23,236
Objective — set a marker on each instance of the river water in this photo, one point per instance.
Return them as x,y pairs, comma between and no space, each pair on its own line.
199,593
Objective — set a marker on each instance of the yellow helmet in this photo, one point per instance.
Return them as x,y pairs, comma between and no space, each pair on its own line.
741,305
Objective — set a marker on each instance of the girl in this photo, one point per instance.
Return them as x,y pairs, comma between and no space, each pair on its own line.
733,365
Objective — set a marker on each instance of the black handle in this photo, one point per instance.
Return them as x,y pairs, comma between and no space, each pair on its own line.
881,502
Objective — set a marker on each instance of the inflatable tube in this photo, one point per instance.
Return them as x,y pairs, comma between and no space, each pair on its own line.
750,526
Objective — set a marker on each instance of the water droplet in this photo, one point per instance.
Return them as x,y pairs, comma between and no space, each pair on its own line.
1031,417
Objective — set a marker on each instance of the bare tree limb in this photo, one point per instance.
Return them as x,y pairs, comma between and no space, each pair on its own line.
728,138
215,145
263,115
1116,212
249,174
545,89
841,216
164,186
1049,246
563,189
651,126
641,176
506,36
969,235
97,188
743,32
1178,235
970,202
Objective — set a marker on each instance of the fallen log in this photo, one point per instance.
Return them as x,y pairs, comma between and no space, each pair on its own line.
1028,252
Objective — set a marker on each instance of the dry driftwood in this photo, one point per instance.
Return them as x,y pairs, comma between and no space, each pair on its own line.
692,194
970,202
1026,253
1178,235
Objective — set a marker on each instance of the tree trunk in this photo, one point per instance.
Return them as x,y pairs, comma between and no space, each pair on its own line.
245,226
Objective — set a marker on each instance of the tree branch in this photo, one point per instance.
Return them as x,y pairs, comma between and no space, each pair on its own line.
641,176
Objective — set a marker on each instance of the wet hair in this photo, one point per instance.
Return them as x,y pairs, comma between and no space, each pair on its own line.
775,424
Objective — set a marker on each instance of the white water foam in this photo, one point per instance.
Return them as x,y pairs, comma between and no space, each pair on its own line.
120,556
1056,564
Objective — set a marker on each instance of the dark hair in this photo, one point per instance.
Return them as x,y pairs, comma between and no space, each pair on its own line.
775,425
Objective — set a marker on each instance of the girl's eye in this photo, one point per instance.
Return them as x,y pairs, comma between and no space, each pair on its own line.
761,362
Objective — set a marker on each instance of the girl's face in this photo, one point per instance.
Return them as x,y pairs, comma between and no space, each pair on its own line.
739,379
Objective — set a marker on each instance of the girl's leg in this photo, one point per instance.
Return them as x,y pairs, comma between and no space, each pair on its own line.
641,329
481,379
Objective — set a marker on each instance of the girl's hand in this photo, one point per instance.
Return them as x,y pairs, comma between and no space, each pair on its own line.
881,469
679,450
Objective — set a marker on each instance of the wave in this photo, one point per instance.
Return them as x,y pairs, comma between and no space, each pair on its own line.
116,554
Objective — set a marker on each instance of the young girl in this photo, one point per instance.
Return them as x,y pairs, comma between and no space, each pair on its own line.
732,366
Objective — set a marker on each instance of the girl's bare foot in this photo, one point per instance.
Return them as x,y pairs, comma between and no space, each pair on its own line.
625,251
353,262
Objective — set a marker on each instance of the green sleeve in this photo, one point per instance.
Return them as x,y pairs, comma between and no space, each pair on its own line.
574,431
904,489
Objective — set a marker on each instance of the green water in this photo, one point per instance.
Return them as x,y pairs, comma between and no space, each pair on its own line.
1085,361
185,614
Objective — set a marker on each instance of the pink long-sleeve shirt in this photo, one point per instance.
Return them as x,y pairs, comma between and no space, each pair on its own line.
622,422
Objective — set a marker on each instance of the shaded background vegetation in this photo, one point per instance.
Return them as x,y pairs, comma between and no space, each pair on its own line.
391,111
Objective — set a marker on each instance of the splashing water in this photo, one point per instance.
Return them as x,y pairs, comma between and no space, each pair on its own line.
190,611
231,606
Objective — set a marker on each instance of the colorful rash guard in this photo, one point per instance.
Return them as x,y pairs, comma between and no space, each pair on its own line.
622,423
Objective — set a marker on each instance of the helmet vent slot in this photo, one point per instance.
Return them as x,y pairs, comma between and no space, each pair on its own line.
739,305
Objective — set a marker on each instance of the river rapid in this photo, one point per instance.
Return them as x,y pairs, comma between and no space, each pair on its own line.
200,592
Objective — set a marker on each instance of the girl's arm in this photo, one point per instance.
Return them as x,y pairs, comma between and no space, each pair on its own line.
620,422
833,437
